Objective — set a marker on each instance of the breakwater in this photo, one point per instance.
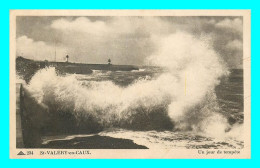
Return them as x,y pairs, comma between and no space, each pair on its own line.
26,68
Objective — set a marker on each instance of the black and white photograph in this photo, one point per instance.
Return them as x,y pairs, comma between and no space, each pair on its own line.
131,80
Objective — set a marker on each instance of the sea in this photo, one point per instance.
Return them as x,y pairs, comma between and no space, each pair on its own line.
147,108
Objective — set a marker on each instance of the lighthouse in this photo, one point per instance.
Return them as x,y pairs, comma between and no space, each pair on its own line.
67,58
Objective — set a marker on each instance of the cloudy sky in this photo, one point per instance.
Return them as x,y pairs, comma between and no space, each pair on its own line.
126,40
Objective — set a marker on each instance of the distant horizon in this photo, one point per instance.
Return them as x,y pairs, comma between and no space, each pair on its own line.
104,63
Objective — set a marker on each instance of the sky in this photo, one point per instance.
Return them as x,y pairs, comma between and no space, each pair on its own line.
124,39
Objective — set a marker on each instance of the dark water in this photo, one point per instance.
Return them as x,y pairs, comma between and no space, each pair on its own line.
230,95
124,78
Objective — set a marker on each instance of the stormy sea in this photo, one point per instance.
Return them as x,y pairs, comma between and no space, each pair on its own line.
152,107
